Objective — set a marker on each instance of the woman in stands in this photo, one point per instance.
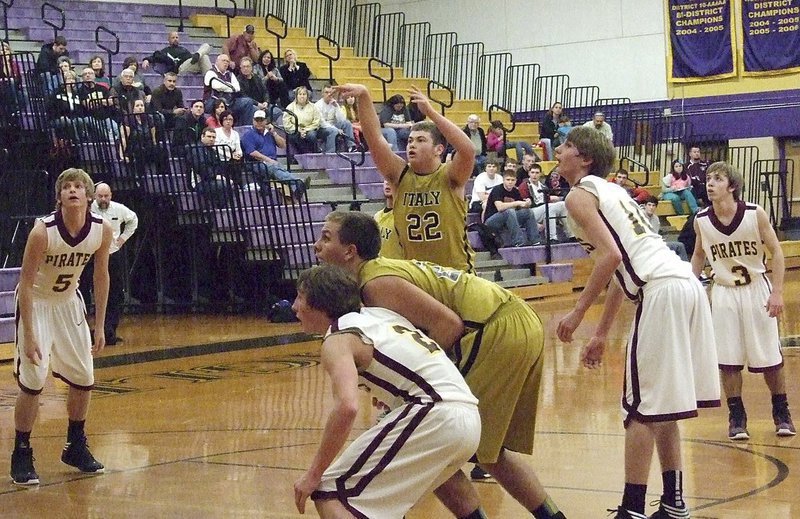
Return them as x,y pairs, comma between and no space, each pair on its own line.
548,129
138,144
303,135
217,108
676,187
227,136
349,108
267,69
11,93
295,73
395,117
99,66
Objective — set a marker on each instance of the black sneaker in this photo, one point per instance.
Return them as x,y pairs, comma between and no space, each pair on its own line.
478,474
737,428
195,58
622,513
670,512
77,455
22,469
783,422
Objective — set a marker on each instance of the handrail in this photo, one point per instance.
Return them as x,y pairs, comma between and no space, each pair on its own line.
100,44
353,164
331,59
296,128
442,104
228,17
6,7
180,15
646,171
278,35
510,116
379,78
55,27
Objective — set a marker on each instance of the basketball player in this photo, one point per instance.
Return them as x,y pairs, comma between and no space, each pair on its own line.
390,246
432,426
733,234
51,320
670,363
494,338
430,209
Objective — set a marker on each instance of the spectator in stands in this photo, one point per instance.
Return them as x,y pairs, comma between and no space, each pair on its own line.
167,99
548,129
178,59
98,65
260,146
228,138
349,109
696,169
99,102
395,117
676,187
252,86
496,141
127,93
268,71
621,178
654,222
221,83
138,81
12,97
599,123
478,137
138,141
302,133
483,184
507,210
47,62
533,189
189,126
213,175
295,74
64,64
67,115
524,170
242,46
558,185
564,127
333,122
214,120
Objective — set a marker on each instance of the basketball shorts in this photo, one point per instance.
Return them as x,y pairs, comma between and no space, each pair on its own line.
65,342
745,333
506,377
412,450
671,360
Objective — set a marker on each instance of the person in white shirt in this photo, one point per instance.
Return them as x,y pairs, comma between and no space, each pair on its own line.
229,137
333,121
556,210
483,184
123,224
599,123
221,83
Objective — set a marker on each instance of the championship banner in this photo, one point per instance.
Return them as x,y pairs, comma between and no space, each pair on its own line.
701,41
770,37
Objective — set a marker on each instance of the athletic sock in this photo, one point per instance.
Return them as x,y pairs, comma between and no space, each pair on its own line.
673,488
22,440
548,510
736,407
75,430
477,514
633,497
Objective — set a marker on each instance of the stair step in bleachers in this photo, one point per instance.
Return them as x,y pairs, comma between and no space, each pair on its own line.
556,272
9,277
537,254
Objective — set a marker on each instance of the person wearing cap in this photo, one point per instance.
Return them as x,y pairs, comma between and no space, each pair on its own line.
599,123
243,45
260,146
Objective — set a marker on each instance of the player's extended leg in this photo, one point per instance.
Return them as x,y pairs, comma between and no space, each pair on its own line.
458,495
737,415
518,478
76,451
668,443
639,442
25,411
776,381
332,509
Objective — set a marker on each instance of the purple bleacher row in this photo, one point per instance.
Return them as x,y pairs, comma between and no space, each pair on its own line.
9,277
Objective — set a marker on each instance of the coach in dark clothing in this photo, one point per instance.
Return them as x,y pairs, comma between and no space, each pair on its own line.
167,99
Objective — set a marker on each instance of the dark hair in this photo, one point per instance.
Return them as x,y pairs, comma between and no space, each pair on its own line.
397,98
359,229
215,104
651,200
207,129
508,161
60,40
430,127
592,144
684,175
225,114
102,71
550,113
496,161
329,289
130,60
271,65
497,124
536,165
622,171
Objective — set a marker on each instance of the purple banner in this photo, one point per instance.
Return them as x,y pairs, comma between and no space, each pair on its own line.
771,30
700,39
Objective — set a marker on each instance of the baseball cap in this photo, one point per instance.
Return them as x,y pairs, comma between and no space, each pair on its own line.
249,29
260,114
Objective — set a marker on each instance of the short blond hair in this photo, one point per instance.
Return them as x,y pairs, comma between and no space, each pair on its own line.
73,175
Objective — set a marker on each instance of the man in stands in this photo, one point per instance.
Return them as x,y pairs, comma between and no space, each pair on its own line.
333,121
213,173
167,99
260,146
478,138
696,169
534,190
221,83
128,93
483,185
99,102
252,86
189,126
506,209
47,62
525,169
599,123
178,59
243,45
637,193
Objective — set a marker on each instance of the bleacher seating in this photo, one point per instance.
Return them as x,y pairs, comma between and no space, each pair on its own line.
9,277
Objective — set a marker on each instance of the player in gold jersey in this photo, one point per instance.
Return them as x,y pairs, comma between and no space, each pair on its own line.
430,208
390,245
489,333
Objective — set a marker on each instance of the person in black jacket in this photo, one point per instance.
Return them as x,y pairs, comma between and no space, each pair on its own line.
47,62
167,99
548,128
295,73
478,137
178,59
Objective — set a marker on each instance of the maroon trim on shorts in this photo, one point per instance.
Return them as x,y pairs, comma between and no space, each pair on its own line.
24,389
705,404
632,408
767,369
70,384
669,417
730,368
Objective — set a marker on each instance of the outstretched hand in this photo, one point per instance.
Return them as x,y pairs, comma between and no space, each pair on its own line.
422,101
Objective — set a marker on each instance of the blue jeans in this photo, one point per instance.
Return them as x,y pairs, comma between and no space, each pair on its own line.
513,220
678,197
264,171
521,147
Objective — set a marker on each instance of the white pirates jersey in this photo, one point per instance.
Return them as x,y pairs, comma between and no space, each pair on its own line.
407,366
735,251
645,256
65,257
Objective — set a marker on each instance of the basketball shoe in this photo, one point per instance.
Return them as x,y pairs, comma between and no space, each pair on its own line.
783,422
737,427
77,454
22,469
666,511
622,513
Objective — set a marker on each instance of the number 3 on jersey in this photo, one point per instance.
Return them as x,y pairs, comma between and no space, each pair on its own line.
423,227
